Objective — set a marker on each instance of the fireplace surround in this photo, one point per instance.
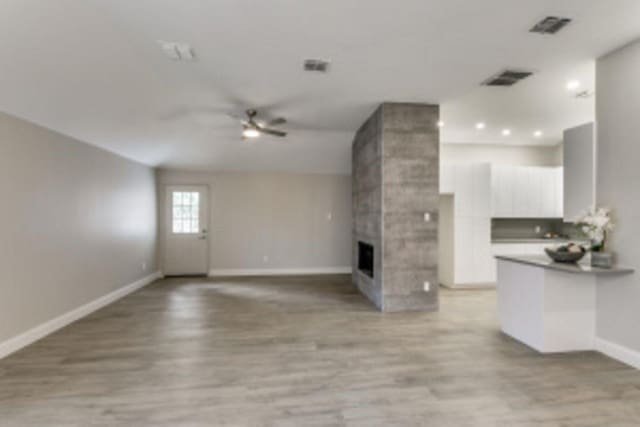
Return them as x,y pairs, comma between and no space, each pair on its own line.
395,171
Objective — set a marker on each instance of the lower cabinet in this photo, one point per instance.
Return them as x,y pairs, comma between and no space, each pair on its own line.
514,249
473,260
476,192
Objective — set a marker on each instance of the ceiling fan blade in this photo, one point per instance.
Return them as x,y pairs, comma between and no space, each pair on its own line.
273,132
241,117
277,121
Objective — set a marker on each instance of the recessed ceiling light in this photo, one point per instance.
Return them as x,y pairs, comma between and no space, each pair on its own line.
440,124
506,132
480,125
250,133
537,133
573,85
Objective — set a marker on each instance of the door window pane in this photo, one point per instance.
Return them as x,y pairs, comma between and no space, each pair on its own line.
185,209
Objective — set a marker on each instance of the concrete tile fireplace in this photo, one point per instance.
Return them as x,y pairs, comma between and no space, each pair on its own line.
395,207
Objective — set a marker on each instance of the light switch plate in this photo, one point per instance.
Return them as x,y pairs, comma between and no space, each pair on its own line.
426,286
427,217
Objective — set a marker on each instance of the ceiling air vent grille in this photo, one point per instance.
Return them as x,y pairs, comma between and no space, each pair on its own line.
317,65
550,25
507,78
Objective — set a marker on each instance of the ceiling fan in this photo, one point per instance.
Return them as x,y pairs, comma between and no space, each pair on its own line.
253,129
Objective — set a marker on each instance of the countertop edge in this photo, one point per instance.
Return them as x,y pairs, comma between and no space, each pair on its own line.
565,268
501,241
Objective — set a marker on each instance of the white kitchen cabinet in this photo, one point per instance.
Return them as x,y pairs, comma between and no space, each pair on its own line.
526,192
522,193
463,250
559,193
548,193
472,188
473,257
472,224
579,172
482,255
502,189
481,191
447,179
463,189
539,192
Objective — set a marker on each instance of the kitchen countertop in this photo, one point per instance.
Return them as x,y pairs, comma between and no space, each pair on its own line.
578,268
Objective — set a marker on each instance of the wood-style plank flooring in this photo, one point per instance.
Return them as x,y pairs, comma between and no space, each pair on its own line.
303,351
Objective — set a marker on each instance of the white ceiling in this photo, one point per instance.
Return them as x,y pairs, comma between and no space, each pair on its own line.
93,69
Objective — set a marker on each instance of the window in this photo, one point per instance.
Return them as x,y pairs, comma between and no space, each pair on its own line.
186,212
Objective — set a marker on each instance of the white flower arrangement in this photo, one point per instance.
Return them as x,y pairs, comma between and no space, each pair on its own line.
595,223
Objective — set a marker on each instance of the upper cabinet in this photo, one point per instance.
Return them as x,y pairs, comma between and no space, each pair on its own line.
482,190
579,170
472,189
526,192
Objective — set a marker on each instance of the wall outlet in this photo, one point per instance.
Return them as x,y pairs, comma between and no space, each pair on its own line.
426,286
538,229
144,266
329,216
265,259
427,217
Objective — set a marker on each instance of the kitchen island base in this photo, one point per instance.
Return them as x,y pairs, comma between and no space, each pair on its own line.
548,306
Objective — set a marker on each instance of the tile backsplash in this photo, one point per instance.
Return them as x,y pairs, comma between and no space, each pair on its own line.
532,228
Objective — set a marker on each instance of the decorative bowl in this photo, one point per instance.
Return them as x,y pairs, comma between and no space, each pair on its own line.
567,257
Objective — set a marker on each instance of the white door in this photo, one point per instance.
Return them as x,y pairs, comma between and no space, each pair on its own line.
186,249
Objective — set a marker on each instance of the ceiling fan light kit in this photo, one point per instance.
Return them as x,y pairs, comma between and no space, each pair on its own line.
250,133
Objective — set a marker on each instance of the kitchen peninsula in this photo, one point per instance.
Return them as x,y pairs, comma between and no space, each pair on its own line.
547,305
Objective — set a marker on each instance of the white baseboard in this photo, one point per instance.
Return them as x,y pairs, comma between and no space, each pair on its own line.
468,286
24,339
279,271
618,352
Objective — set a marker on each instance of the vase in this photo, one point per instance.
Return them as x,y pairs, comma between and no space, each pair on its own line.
602,259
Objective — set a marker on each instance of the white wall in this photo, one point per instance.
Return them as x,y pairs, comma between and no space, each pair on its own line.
501,154
618,175
281,216
76,223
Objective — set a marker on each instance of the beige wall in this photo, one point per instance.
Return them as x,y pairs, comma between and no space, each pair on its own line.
281,216
76,223
516,155
618,175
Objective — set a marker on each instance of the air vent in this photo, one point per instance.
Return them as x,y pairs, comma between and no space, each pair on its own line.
550,25
584,94
177,51
507,78
317,65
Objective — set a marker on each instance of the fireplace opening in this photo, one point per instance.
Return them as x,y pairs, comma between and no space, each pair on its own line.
365,258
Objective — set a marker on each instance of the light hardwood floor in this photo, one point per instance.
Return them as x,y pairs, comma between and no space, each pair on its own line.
303,351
